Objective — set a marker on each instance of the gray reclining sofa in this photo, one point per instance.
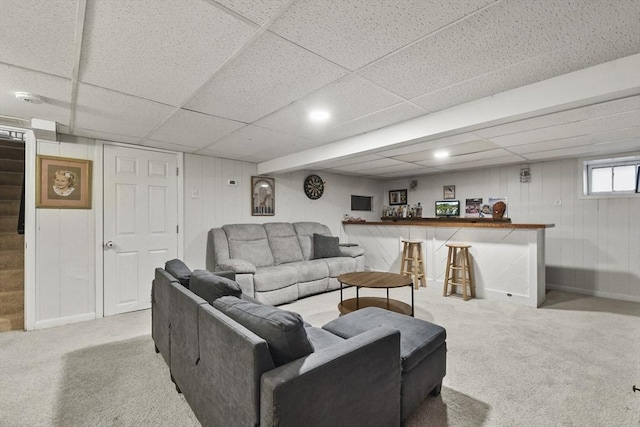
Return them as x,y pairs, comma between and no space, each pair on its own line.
280,262
242,363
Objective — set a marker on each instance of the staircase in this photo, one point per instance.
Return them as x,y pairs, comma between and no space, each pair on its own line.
11,243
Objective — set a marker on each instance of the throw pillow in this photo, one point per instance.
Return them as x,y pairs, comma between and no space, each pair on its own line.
210,287
325,246
179,270
283,330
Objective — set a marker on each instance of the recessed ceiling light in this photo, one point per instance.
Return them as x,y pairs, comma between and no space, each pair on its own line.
441,154
29,97
319,115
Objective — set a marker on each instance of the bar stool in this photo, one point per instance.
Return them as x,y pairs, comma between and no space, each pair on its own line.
458,271
412,263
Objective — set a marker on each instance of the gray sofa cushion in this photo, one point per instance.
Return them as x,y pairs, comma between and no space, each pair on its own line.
305,231
210,286
418,338
249,242
179,270
283,331
273,278
325,246
283,242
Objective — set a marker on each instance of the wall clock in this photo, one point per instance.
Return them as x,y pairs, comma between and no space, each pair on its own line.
313,187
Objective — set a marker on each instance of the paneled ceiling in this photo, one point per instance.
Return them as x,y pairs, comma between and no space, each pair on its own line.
492,82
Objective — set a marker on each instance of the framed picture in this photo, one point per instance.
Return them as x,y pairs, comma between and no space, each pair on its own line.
398,197
263,196
63,183
449,192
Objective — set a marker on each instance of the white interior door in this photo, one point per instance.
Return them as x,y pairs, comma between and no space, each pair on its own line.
140,223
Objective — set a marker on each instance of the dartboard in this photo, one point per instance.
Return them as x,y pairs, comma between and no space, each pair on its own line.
313,187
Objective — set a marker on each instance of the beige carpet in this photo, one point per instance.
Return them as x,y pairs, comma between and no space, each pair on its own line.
572,362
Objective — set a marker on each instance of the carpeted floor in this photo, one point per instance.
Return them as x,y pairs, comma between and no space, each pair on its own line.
572,362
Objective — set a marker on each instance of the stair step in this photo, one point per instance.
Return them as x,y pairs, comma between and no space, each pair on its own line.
11,242
11,178
11,280
8,165
10,192
9,207
11,302
8,224
11,260
11,144
12,322
12,153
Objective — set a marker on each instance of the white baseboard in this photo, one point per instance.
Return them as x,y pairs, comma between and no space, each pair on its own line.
600,294
59,321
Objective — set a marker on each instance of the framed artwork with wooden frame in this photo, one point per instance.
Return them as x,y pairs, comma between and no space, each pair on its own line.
63,183
449,192
398,197
263,196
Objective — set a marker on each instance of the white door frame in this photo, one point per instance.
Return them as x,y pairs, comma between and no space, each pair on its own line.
98,204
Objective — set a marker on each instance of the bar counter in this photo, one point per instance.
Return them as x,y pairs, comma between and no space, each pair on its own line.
508,259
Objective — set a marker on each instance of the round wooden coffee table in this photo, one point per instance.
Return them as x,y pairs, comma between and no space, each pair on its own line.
375,279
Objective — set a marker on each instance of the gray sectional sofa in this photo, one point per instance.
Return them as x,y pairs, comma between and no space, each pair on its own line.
242,363
280,262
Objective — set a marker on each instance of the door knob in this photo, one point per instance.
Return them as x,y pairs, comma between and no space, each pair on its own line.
109,244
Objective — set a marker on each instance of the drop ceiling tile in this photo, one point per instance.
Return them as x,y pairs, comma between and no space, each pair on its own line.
588,150
258,11
388,116
38,35
494,161
430,144
346,100
157,49
344,161
409,172
252,139
355,33
503,35
465,158
270,74
194,129
169,146
364,166
567,130
55,91
428,156
578,141
107,111
105,136
577,114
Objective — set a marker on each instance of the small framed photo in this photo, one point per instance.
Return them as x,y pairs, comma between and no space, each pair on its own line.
449,192
63,183
263,196
398,197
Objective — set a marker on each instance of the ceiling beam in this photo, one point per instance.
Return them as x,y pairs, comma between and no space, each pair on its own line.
611,80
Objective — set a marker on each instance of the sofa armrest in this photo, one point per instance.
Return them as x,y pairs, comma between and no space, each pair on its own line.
351,251
239,266
355,382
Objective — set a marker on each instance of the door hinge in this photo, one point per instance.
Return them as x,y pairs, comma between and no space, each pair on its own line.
177,171
178,229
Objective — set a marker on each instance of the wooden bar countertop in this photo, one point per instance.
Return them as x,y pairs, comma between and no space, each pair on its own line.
451,222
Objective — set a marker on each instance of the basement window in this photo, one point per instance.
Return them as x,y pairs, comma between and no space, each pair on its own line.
611,177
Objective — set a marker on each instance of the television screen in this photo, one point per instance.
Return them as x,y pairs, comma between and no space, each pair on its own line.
361,203
448,208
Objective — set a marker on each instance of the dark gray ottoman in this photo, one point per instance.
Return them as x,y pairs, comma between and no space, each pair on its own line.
423,350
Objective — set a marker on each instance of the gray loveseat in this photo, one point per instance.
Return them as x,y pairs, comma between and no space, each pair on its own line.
242,363
280,262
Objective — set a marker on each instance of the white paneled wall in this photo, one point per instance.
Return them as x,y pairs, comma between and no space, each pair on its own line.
594,247
65,252
210,202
